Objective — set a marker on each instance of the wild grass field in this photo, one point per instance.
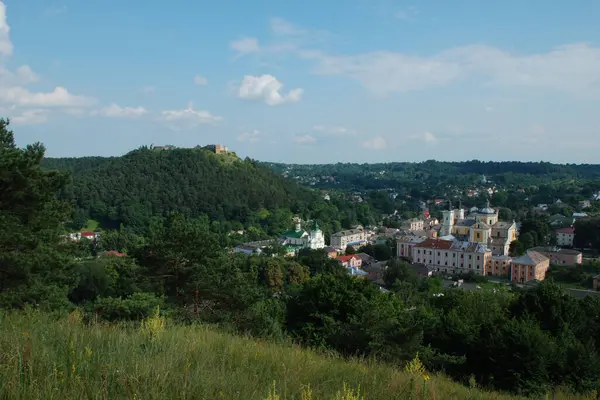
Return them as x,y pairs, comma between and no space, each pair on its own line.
45,357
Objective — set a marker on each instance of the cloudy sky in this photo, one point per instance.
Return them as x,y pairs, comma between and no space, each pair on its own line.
306,81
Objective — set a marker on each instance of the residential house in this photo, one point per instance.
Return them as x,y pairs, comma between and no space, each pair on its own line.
559,220
366,259
529,267
350,261
350,237
89,235
376,271
331,252
357,272
256,247
560,256
579,215
565,237
452,256
596,282
585,204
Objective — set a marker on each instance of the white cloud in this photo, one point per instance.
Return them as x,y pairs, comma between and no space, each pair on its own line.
191,116
376,143
426,137
266,88
200,80
245,45
252,136
489,108
249,45
26,75
6,46
332,130
59,97
115,111
74,112
148,89
30,117
407,13
304,139
13,86
571,68
282,27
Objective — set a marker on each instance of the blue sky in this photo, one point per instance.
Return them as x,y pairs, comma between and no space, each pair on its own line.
306,82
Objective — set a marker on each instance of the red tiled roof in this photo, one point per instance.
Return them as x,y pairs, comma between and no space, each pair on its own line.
347,258
88,234
435,244
566,230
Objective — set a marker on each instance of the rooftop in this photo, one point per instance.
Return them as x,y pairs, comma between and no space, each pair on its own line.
503,225
531,258
435,244
570,231
347,232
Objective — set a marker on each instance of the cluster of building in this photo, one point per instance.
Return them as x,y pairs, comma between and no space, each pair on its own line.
464,241
479,243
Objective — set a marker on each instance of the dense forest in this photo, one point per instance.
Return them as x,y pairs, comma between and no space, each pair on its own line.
528,341
233,194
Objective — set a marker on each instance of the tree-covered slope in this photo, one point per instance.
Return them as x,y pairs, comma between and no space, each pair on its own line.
145,183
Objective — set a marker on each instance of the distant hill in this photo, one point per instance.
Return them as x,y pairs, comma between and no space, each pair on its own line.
147,182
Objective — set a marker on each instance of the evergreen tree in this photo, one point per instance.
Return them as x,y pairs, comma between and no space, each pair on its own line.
35,257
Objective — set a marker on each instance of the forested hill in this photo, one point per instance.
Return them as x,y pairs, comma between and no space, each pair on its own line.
146,183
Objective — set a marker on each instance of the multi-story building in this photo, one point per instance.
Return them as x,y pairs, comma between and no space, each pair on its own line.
414,224
350,261
350,237
480,226
499,265
404,245
529,267
452,256
565,237
559,256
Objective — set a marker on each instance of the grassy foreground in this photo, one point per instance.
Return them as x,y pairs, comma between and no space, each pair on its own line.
46,358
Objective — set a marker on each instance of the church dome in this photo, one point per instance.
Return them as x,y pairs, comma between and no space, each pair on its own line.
487,210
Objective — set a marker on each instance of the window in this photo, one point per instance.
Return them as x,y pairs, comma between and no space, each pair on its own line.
477,258
438,253
470,256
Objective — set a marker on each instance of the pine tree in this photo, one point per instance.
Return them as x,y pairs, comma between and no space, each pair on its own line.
35,258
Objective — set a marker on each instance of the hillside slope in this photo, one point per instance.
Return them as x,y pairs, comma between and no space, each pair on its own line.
145,183
48,358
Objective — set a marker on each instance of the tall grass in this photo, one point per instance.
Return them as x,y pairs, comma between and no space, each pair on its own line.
42,357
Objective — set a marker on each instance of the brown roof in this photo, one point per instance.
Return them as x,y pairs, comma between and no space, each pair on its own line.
531,258
435,244
566,230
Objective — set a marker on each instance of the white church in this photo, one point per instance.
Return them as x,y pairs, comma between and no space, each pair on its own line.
298,238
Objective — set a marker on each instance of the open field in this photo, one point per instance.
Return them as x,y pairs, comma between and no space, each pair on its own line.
56,358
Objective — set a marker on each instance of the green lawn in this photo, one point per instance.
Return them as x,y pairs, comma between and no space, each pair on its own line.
91,225
43,357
